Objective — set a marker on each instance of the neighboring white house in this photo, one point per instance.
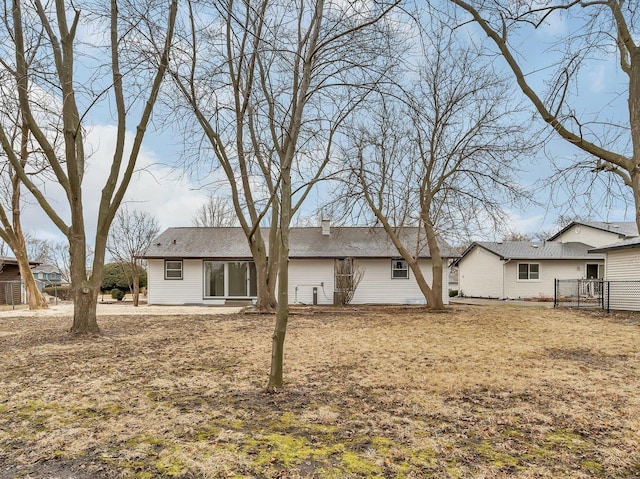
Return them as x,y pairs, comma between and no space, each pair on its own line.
596,233
523,269
622,272
198,265
528,269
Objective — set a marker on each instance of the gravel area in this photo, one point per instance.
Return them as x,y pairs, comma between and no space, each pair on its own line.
123,309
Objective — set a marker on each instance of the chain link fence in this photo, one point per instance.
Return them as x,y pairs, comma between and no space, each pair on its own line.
596,293
580,293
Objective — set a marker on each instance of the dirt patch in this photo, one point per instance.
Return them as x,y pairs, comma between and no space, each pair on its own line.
371,392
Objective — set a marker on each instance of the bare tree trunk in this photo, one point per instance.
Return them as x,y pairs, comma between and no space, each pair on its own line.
83,291
136,286
35,300
437,266
266,299
282,315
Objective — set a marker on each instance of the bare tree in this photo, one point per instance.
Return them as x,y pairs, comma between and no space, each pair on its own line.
440,157
51,78
348,277
516,236
11,201
270,83
131,234
594,30
58,255
215,213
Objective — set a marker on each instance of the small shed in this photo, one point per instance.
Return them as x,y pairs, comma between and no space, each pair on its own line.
10,281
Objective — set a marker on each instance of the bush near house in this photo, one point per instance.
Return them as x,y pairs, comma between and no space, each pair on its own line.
117,294
114,277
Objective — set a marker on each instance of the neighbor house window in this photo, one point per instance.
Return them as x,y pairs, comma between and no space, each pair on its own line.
595,271
173,269
399,269
528,271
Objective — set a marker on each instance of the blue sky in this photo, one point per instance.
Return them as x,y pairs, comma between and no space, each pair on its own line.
162,188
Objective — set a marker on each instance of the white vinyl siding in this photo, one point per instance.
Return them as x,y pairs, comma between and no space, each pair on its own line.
170,291
304,275
480,274
550,270
623,265
588,235
376,286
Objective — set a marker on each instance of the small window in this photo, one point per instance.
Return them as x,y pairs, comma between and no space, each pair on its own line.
528,271
399,269
173,269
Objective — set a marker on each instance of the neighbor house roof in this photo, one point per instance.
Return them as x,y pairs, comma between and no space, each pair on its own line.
625,229
45,268
341,242
624,244
534,250
13,261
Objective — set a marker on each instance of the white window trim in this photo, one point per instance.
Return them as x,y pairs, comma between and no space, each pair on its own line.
393,268
173,278
528,280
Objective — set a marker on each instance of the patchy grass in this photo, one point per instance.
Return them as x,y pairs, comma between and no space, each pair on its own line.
482,391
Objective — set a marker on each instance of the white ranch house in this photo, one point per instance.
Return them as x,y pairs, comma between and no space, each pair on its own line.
214,266
528,269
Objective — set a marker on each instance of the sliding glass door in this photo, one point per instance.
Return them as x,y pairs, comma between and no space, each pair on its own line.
233,279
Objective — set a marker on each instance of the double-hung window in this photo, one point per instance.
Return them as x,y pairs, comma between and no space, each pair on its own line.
399,269
528,271
173,269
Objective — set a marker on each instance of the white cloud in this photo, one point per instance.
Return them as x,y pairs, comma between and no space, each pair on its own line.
155,188
597,78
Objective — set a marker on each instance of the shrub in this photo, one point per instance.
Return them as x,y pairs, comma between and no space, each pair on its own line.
117,294
61,292
453,292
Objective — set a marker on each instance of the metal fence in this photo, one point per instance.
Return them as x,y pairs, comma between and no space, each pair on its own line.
595,293
580,293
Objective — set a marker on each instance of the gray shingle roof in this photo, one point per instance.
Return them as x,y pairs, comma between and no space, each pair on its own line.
46,268
536,250
363,242
626,229
624,244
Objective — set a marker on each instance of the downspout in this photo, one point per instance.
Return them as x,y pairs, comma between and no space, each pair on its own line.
504,275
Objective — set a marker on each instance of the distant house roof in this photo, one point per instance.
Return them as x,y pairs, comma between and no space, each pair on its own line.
45,268
534,250
231,243
625,229
13,261
630,243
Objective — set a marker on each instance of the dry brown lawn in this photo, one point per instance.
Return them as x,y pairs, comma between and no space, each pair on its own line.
482,391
